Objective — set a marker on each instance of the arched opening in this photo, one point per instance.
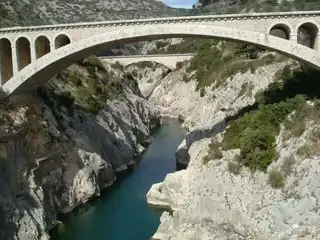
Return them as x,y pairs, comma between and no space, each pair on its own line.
23,52
42,45
46,69
61,40
5,60
280,30
308,35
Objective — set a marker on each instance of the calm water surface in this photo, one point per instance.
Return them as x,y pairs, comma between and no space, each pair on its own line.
122,213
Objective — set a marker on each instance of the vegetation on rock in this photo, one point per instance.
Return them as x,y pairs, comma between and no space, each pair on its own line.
255,132
90,84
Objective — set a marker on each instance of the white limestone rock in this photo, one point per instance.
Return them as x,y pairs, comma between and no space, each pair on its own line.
54,158
209,202
175,97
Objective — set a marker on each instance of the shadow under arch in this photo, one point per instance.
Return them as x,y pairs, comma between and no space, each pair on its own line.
42,46
61,40
5,60
308,34
281,30
39,72
23,52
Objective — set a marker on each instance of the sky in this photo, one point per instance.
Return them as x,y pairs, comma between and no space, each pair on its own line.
180,3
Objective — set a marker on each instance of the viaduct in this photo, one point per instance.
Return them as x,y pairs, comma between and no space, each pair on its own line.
168,60
29,56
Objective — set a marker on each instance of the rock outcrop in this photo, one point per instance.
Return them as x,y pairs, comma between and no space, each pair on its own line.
56,155
176,97
211,202
215,198
148,75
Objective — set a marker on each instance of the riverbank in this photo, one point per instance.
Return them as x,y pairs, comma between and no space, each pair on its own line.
123,206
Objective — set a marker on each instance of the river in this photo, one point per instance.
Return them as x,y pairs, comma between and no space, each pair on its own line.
122,212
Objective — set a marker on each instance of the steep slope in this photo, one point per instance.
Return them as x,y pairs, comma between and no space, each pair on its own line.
258,179
62,146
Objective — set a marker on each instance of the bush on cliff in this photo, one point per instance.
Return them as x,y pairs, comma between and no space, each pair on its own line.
255,133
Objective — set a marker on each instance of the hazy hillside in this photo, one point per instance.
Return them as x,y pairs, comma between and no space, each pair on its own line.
36,12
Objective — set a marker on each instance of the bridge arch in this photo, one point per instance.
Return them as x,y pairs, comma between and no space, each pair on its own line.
307,33
61,40
23,52
39,72
5,60
42,46
281,29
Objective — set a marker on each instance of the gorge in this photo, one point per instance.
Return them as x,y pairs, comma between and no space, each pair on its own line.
89,150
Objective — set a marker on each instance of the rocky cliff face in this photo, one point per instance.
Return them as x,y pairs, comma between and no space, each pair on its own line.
176,97
223,194
148,75
56,154
210,202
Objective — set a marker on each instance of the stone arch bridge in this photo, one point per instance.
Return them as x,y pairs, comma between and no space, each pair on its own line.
168,60
29,56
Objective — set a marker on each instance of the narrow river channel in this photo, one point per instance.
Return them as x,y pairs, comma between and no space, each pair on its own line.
122,213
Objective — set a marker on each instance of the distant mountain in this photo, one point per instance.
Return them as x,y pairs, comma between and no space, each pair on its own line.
37,12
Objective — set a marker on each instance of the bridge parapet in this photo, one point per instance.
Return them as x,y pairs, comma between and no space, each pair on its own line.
168,60
27,51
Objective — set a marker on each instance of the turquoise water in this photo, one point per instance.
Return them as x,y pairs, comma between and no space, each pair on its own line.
122,213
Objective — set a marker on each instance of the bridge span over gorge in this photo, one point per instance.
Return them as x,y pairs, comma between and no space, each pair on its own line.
168,60
29,56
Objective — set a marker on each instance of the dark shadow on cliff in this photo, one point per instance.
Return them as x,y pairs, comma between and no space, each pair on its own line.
303,81
300,81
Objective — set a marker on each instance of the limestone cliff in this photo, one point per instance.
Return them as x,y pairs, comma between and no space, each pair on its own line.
256,179
211,202
62,146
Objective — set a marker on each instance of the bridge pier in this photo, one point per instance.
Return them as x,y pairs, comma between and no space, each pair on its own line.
14,60
294,38
33,53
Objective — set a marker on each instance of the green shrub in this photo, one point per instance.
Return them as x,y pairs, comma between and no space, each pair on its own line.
276,179
255,133
145,64
92,86
234,167
117,65
93,62
185,78
134,73
91,70
202,92
81,94
75,79
161,44
179,65
213,153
